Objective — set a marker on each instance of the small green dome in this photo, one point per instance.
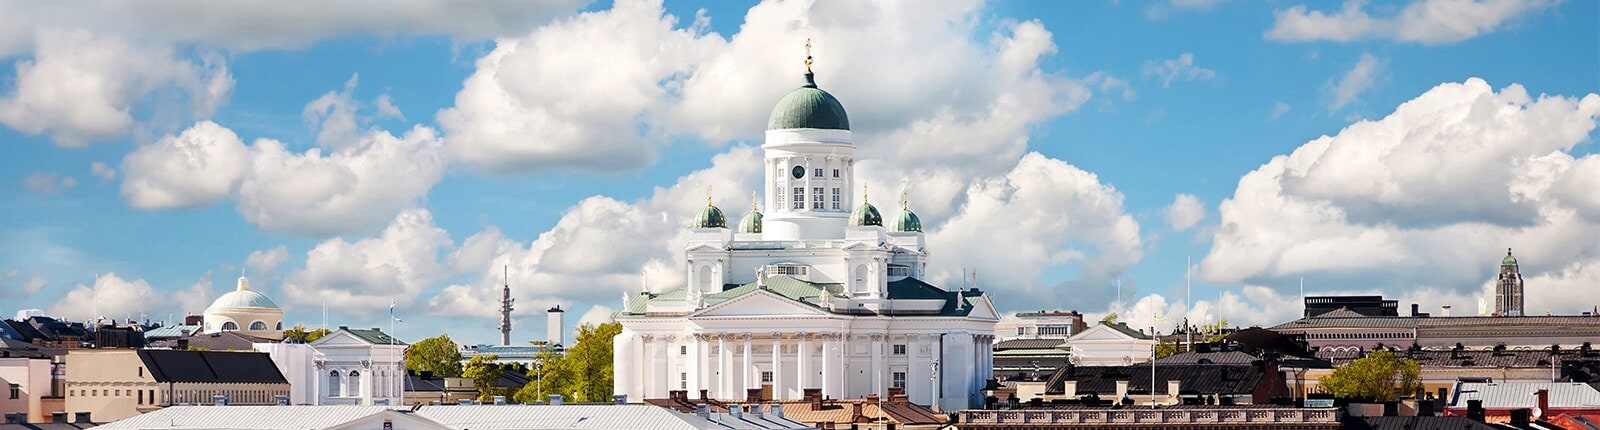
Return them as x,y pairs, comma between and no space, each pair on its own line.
865,215
906,221
808,107
710,217
751,222
1509,260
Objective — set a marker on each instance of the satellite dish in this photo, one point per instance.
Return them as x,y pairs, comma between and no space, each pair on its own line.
1535,413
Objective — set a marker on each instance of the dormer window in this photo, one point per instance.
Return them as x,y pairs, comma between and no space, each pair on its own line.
899,271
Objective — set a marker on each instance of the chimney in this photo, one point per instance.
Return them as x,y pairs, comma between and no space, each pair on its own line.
704,393
755,411
777,410
1414,309
1444,310
1475,410
703,411
753,395
814,396
555,327
1122,388
1519,418
1425,408
1544,402
736,410
855,412
1172,388
1069,387
81,418
555,400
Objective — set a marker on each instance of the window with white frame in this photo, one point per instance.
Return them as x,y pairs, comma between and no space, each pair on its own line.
799,197
766,377
683,381
835,173
818,173
899,379
816,201
900,349
836,198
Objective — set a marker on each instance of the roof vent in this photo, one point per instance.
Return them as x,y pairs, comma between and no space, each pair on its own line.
500,400
280,400
555,400
219,400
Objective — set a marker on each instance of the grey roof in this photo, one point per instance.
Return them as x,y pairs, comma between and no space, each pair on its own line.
1200,378
373,336
1415,423
1512,395
808,107
175,330
223,341
1219,357
1464,358
251,417
17,348
621,417
1029,344
211,366
1350,322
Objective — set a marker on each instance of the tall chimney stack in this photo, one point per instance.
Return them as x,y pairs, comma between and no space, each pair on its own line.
555,328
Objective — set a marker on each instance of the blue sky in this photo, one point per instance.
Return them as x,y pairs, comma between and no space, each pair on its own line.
1055,147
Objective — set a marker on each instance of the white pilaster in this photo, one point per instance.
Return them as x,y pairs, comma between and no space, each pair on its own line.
777,366
724,367
877,365
802,355
744,387
827,366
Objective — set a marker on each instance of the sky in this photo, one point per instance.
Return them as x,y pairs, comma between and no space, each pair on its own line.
1204,159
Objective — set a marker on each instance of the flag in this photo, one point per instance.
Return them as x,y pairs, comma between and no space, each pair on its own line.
391,309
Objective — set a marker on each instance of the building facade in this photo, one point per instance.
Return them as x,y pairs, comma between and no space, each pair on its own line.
811,294
1508,288
114,384
346,367
27,377
1110,344
1040,325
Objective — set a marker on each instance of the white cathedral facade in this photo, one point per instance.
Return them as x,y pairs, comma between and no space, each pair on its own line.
813,294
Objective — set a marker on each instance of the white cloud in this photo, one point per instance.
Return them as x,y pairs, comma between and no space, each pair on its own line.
1177,69
102,171
1045,213
195,299
32,284
268,260
1185,211
624,91
1163,10
48,183
110,297
361,277
355,180
1427,197
80,87
199,167
1428,22
596,315
387,109
1278,110
1355,81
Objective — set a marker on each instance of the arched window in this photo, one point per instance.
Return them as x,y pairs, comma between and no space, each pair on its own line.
230,326
280,326
861,276
705,280
333,384
258,326
355,383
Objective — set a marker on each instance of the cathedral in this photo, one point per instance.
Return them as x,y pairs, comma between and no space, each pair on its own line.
821,292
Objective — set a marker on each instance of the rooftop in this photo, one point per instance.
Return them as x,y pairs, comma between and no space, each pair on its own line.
211,366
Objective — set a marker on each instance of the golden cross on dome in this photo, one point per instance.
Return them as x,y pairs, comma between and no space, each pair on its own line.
808,55
753,200
904,204
864,193
708,196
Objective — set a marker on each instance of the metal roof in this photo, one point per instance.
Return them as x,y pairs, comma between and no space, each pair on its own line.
1511,395
251,417
620,417
211,366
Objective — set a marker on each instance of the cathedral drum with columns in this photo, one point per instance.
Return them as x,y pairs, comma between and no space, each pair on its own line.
814,294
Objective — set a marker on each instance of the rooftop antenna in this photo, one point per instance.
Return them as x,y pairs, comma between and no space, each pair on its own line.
1188,269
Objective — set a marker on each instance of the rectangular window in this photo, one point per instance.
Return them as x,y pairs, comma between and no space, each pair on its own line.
683,349
16,391
141,397
816,202
818,173
683,381
900,349
836,199
766,377
777,199
152,397
835,173
1022,331
799,197
899,379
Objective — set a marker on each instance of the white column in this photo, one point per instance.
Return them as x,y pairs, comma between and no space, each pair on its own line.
669,379
802,379
316,385
702,360
744,388
827,367
777,365
724,366
877,366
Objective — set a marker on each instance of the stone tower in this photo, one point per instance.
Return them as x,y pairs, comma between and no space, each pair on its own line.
1508,288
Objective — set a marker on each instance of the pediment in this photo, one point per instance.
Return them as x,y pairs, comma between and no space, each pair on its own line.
759,303
1100,332
339,338
985,310
704,247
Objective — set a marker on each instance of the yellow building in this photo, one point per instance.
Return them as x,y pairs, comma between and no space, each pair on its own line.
116,384
245,311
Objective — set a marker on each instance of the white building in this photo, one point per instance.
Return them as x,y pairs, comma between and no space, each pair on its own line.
1109,344
1040,325
346,367
245,311
811,294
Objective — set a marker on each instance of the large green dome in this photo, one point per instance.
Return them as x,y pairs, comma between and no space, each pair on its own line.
808,107
710,217
751,222
865,215
906,221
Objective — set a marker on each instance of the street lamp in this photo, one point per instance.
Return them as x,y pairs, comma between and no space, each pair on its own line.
933,378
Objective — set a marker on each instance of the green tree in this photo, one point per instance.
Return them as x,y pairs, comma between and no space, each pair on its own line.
1214,332
439,355
484,372
1380,376
583,374
299,334
1166,349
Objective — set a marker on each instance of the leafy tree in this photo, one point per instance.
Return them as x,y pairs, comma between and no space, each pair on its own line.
439,355
1166,349
1214,331
299,334
582,374
1380,376
1110,318
484,372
